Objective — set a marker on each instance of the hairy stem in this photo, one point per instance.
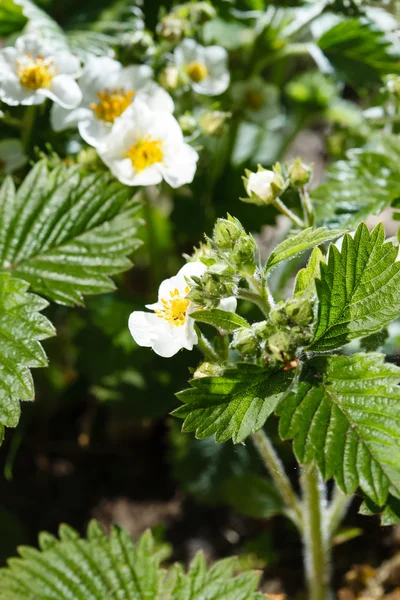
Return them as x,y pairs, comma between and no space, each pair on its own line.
279,205
277,471
206,347
316,537
337,509
307,206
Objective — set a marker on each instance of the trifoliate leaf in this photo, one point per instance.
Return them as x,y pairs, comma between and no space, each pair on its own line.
222,319
359,289
233,405
66,234
363,184
299,243
359,51
109,567
305,280
21,328
344,413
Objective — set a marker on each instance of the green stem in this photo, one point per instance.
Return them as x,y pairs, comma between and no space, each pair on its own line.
316,538
277,471
255,298
27,127
279,205
337,509
205,346
308,210
152,242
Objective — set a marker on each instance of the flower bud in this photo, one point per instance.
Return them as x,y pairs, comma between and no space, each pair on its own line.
245,342
299,310
171,28
201,12
137,44
226,232
279,344
188,123
212,122
207,369
243,254
264,186
169,78
299,173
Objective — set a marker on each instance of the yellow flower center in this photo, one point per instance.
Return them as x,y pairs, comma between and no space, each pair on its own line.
36,73
254,100
175,308
197,71
112,104
145,152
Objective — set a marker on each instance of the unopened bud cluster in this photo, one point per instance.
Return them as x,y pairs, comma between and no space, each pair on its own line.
230,257
276,340
183,19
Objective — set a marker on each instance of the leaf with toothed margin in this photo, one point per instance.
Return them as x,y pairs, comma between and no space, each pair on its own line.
344,413
359,289
22,326
66,233
234,404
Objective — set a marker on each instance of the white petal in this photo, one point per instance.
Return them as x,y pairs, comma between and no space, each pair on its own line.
228,304
187,52
193,269
149,330
64,90
93,131
143,327
156,98
134,77
63,118
8,60
67,64
12,92
31,44
181,167
212,86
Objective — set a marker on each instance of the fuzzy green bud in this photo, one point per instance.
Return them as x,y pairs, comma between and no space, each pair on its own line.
171,28
264,186
212,122
227,232
207,369
299,173
243,254
187,123
299,310
279,344
245,342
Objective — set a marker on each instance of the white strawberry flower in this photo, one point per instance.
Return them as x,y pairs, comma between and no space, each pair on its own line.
144,147
169,328
108,89
32,71
205,67
12,155
259,100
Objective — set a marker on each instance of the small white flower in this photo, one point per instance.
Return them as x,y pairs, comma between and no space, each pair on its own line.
31,71
258,99
108,89
144,147
12,155
206,68
170,328
260,184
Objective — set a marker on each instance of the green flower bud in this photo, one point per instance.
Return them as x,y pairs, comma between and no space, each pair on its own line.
171,28
212,122
170,78
263,186
299,173
245,342
299,310
243,254
207,369
280,344
188,123
227,232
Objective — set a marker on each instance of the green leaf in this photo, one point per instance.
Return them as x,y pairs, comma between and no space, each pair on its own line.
11,17
66,234
222,319
299,243
359,51
305,280
359,289
233,405
106,567
21,328
364,184
389,514
345,414
253,495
